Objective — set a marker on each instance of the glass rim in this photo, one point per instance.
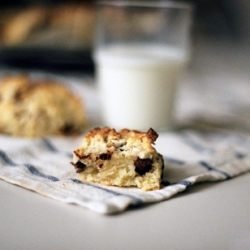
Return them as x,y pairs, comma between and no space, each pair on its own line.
147,4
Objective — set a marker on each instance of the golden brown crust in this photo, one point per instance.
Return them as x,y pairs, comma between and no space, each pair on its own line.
104,132
34,108
148,137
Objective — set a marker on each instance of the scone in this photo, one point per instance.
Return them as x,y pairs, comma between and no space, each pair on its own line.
125,158
62,25
21,25
30,108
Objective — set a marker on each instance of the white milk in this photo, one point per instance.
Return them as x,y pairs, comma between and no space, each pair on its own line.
137,86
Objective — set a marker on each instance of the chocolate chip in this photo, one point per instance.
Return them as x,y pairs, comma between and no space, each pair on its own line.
143,166
18,96
79,166
105,156
67,129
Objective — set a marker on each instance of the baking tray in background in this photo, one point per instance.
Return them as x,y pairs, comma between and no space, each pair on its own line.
50,59
51,37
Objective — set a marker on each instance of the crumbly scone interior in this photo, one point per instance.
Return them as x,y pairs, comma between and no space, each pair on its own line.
123,159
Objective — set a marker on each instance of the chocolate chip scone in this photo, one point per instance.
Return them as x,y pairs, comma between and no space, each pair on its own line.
30,108
125,158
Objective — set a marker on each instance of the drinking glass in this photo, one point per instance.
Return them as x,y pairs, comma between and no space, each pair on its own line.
140,51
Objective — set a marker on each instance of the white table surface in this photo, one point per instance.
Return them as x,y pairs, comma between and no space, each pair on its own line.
207,216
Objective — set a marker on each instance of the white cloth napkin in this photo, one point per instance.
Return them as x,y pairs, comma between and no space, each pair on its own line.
43,165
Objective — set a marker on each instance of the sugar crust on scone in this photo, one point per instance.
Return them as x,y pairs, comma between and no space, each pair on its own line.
32,108
125,158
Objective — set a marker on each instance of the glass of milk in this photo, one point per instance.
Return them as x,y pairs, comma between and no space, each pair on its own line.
140,51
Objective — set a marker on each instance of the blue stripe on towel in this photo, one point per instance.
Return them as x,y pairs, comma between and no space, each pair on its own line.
31,168
240,155
6,159
210,168
52,148
136,199
174,161
193,144
36,172
184,183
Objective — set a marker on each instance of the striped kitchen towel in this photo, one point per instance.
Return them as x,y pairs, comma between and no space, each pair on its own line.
43,165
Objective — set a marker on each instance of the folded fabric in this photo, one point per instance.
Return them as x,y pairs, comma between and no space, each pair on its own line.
43,165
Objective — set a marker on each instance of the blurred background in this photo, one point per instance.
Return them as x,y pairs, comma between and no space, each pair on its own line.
47,34
59,34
